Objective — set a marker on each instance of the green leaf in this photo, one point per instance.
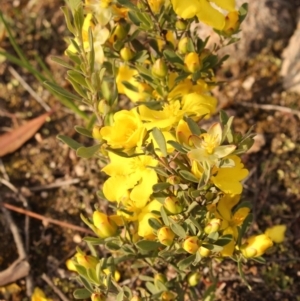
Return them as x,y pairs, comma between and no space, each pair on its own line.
151,288
148,245
77,77
130,86
69,141
86,284
154,223
248,220
172,57
67,15
178,230
61,62
112,246
146,278
193,126
177,146
240,269
243,11
164,216
87,152
77,87
186,262
259,259
120,296
61,91
188,176
73,4
83,131
224,240
81,293
91,273
160,140
213,236
94,240
161,186
127,3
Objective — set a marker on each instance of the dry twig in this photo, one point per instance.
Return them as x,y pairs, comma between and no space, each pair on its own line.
55,288
46,219
271,108
28,88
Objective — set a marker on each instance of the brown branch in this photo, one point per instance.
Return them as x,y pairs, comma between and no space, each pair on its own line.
46,219
271,108
55,289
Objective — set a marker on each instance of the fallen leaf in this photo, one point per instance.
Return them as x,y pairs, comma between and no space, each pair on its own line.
10,142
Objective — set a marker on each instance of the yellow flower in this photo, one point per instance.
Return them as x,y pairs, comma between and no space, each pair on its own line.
144,229
134,174
177,90
168,137
231,221
125,74
196,105
85,34
208,146
191,244
183,133
39,295
100,35
102,10
156,5
231,23
127,132
276,233
70,265
256,245
163,119
204,10
192,62
88,261
105,226
165,236
228,178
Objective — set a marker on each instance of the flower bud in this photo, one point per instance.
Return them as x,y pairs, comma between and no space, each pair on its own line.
88,261
156,5
180,25
136,298
213,226
119,33
105,226
204,252
194,278
165,236
160,277
159,68
174,180
173,205
96,132
183,45
191,244
103,107
256,246
167,296
231,23
192,62
126,54
98,297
